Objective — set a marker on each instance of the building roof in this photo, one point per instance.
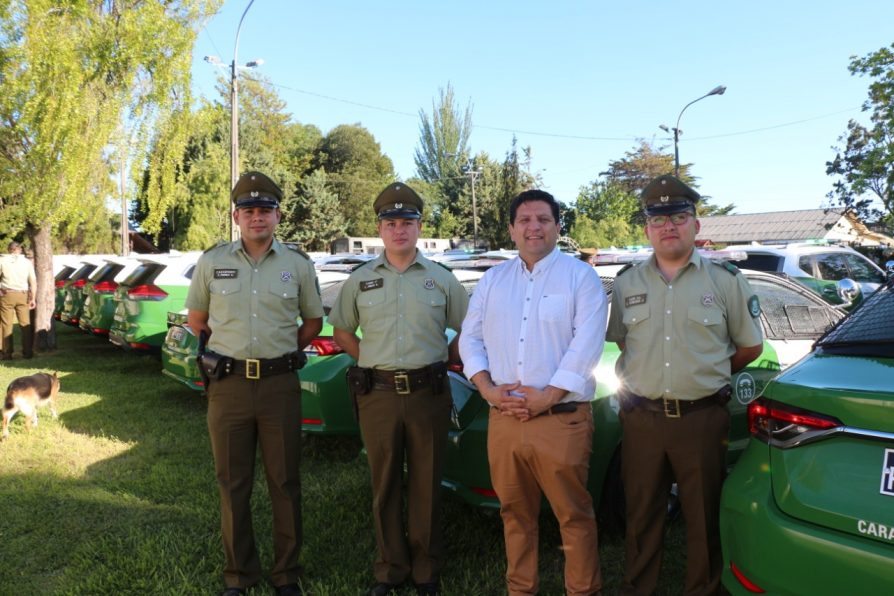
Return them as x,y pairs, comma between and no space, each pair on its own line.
777,226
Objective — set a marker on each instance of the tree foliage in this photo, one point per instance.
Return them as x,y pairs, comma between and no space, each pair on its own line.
864,168
74,75
357,171
314,216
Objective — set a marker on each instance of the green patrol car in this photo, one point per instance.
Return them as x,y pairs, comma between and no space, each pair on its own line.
809,508
99,306
792,319
142,300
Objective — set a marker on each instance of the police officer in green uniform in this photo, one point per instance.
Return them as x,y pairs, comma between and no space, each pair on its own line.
247,296
403,303
684,324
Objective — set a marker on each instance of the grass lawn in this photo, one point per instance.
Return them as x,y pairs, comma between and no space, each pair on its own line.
118,496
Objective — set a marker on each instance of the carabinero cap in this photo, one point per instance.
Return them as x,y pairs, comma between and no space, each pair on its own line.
398,201
254,189
666,195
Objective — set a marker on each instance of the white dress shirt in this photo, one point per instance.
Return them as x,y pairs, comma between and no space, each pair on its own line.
541,327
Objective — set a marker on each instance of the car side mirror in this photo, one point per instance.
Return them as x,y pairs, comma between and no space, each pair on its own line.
889,269
849,291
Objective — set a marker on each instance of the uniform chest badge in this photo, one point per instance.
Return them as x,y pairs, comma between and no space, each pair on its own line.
707,299
226,273
429,284
635,300
285,275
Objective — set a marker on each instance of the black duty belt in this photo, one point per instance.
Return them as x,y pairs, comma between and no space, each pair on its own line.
563,408
408,381
674,408
256,368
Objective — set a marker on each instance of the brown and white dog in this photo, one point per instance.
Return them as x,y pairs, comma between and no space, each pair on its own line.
25,394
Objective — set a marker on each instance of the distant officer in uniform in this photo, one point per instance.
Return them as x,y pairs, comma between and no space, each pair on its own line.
588,255
403,303
684,324
18,291
247,296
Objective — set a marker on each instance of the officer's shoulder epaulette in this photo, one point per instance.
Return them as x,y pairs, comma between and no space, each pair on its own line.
623,269
439,263
362,265
215,245
293,246
726,265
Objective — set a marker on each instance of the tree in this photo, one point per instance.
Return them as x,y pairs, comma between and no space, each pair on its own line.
313,217
864,168
74,74
357,171
441,157
199,216
626,178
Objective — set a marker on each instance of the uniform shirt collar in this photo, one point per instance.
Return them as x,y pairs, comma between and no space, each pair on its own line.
694,259
380,261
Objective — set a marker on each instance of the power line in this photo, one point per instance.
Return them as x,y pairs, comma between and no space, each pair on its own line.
550,134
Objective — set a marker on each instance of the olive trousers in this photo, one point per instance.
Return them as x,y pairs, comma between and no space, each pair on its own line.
656,451
14,305
242,414
547,455
409,428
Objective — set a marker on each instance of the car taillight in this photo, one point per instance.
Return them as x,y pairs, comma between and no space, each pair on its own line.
746,583
324,346
60,283
456,367
105,287
147,292
786,426
312,421
485,492
80,283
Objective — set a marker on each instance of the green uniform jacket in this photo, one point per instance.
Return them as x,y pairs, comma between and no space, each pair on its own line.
253,307
403,315
679,335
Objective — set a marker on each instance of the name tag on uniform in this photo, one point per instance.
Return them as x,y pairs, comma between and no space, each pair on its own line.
372,284
634,300
225,273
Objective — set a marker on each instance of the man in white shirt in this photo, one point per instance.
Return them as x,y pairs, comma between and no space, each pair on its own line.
18,292
532,337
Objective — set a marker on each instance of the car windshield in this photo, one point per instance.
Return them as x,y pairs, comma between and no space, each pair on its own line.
759,262
868,330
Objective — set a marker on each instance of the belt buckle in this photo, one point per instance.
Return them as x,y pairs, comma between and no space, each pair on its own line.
402,382
252,368
671,412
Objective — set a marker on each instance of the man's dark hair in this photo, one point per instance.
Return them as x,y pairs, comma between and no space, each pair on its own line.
13,246
533,195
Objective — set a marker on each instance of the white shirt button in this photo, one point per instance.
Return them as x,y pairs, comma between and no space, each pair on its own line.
667,364
668,311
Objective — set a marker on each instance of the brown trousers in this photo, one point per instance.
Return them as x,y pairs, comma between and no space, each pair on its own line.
14,305
411,428
550,453
656,451
242,414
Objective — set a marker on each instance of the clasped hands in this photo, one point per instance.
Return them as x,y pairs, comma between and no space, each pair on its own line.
515,399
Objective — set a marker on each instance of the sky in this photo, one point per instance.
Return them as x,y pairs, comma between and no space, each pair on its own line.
580,82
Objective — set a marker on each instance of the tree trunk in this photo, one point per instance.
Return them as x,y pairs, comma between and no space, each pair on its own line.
44,330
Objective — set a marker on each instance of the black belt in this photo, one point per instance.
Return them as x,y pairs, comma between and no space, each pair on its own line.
674,408
255,368
563,408
408,381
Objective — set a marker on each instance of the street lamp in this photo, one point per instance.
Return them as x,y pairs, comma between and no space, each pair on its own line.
234,112
718,90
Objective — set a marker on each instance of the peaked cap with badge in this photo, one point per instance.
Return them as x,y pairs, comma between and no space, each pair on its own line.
666,195
254,189
398,201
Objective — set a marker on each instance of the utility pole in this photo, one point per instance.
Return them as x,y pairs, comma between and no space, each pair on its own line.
473,174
